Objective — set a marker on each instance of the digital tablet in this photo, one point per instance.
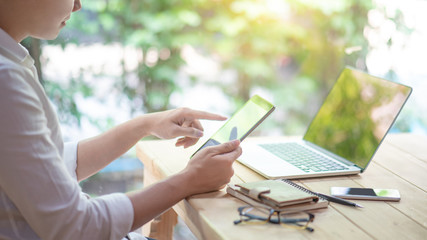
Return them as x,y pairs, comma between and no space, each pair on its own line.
242,123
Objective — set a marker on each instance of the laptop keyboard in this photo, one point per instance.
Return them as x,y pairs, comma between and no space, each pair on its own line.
302,157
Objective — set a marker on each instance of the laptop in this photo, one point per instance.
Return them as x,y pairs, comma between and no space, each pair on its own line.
342,137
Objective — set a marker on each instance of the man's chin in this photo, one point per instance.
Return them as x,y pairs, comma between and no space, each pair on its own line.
47,36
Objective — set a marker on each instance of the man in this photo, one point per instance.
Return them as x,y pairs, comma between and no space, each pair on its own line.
39,193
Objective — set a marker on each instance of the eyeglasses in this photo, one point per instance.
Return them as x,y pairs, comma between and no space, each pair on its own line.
258,215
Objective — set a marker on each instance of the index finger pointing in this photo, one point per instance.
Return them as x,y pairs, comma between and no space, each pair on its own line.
206,115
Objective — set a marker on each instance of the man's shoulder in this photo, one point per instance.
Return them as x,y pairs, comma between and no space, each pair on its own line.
13,79
8,64
11,71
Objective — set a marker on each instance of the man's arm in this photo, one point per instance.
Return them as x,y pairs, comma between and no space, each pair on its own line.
95,153
210,169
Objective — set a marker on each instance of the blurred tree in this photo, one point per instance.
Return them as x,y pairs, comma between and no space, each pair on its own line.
293,48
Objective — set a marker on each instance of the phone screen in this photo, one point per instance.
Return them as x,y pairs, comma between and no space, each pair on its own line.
359,191
365,193
243,122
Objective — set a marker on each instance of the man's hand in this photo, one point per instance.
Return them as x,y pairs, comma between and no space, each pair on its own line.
211,168
180,122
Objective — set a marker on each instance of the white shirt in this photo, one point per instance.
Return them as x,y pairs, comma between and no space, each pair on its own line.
40,197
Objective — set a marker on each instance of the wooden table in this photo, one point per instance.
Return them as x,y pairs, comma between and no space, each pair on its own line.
400,163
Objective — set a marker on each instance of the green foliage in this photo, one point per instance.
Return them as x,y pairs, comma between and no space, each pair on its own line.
63,97
294,48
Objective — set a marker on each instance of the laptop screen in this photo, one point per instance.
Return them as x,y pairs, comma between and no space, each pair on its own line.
356,115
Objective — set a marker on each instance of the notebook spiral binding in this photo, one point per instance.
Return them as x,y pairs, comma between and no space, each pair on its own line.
302,188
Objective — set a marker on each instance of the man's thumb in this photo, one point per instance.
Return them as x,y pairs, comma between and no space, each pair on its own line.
228,146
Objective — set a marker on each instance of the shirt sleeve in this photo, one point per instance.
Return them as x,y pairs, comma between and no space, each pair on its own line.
34,177
70,158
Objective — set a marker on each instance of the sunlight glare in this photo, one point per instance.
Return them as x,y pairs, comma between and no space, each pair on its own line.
262,8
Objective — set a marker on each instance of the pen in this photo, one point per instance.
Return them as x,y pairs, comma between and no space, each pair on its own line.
339,200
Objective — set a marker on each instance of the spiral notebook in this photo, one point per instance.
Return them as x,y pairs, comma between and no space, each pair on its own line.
280,195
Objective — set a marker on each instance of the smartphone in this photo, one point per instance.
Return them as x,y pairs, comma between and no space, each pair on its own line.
366,193
242,123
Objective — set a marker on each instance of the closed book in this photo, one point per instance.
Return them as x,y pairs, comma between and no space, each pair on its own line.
281,195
